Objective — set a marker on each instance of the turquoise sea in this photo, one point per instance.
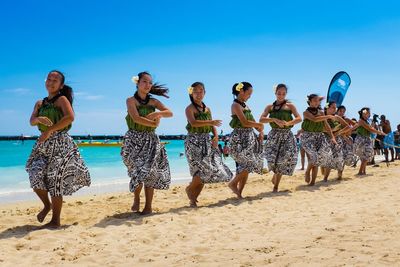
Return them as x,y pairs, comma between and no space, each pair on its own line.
107,170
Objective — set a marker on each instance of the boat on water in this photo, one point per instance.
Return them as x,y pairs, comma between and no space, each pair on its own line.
103,144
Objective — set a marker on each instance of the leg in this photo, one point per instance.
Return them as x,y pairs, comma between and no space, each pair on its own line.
192,190
323,170
326,173
44,197
233,184
308,171
392,153
198,191
149,193
56,203
277,180
303,158
242,182
314,173
340,175
386,152
363,167
136,201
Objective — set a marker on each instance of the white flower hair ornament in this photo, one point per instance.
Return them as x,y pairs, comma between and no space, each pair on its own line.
135,79
190,90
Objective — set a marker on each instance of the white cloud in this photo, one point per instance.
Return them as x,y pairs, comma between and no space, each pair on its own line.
87,96
18,91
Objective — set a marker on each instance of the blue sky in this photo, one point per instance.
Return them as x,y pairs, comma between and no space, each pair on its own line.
100,45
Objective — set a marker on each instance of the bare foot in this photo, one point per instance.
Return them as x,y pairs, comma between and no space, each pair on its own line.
234,189
42,215
192,200
135,206
311,184
325,180
146,211
275,190
52,225
307,178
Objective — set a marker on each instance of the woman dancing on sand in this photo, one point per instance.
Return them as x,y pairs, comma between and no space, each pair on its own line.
55,166
339,127
142,153
202,153
363,147
346,139
280,148
313,140
245,146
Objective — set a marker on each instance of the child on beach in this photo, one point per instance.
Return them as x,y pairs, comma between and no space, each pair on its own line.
313,139
55,166
202,153
346,138
280,148
142,153
245,146
339,128
363,147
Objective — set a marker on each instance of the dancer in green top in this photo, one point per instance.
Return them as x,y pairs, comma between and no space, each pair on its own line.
245,145
313,140
280,148
363,147
142,153
202,153
55,166
339,127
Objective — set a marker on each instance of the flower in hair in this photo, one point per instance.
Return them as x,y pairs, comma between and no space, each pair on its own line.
365,111
190,90
135,79
239,87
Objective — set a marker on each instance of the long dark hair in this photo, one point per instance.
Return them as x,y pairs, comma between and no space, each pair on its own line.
156,88
246,86
65,90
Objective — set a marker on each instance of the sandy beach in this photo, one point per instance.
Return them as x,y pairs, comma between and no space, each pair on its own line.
352,222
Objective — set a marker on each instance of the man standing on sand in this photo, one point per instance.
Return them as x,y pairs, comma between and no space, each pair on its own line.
397,142
388,141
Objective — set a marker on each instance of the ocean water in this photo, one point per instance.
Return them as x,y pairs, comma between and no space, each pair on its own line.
108,173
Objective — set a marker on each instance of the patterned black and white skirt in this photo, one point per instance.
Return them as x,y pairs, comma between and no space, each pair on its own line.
247,150
363,148
317,147
57,167
280,150
205,160
347,149
146,160
336,162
